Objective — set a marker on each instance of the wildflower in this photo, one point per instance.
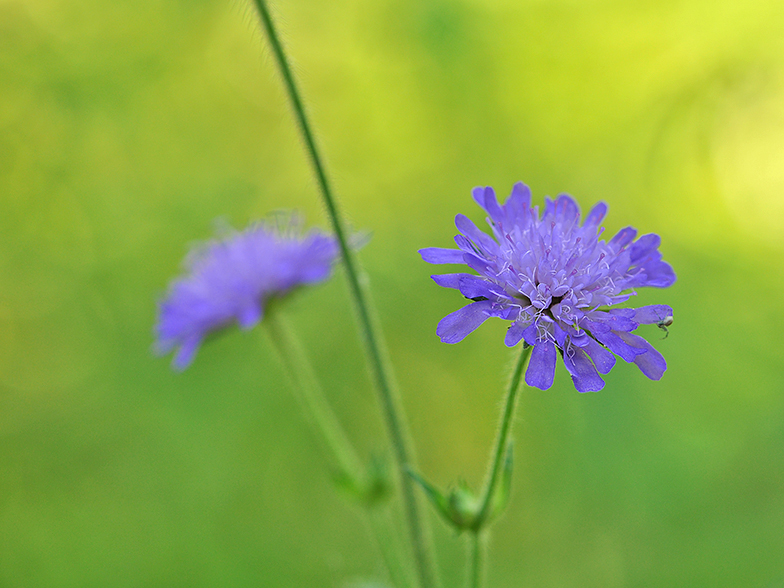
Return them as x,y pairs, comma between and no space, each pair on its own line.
234,278
555,281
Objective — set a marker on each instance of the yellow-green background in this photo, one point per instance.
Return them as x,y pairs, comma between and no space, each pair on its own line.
127,128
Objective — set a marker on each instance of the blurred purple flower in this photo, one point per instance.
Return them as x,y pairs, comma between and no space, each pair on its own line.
555,281
234,278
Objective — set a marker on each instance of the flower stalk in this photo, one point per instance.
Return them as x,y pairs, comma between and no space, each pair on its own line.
311,397
377,361
475,557
502,441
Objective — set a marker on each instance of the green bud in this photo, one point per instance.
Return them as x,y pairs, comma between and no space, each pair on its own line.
459,508
463,506
373,488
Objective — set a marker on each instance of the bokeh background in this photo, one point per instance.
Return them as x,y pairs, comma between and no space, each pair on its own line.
128,128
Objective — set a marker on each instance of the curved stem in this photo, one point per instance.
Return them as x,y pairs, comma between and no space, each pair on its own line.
502,439
316,407
376,360
475,559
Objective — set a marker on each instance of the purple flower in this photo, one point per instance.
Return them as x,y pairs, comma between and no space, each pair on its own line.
233,279
555,281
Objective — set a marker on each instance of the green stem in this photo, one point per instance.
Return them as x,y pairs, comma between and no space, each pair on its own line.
316,407
475,559
319,413
376,360
386,533
502,439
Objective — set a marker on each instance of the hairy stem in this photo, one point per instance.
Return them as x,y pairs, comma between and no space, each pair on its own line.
310,395
502,440
386,533
374,353
475,548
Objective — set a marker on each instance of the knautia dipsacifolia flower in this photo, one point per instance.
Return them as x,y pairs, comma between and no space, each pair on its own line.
555,280
232,280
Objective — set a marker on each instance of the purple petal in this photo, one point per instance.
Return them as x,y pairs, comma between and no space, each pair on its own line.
441,255
580,339
621,323
476,263
466,226
185,354
515,332
583,373
658,274
454,327
530,334
518,203
478,194
602,359
613,341
541,368
654,313
560,335
475,287
566,208
644,246
549,211
617,319
650,361
449,280
624,237
249,316
493,208
596,215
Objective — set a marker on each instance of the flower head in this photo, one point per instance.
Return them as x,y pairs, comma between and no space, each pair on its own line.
233,279
555,281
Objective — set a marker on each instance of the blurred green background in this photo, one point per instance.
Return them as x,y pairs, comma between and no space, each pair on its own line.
127,128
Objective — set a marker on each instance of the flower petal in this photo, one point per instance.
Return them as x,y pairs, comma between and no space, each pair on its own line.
658,274
485,197
582,370
185,354
621,323
602,358
650,361
478,194
644,246
441,255
566,209
596,215
466,226
654,313
541,368
515,332
477,263
518,204
530,334
454,327
613,341
474,287
624,237
249,316
449,280
560,335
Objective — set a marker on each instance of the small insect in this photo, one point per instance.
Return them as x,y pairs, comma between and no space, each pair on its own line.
663,324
